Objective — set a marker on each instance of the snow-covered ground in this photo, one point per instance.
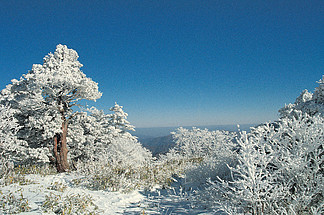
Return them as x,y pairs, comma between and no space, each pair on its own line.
171,201
108,202
159,201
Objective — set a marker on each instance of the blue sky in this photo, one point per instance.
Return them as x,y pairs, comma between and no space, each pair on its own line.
177,62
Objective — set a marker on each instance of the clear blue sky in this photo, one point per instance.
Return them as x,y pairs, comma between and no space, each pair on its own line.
176,62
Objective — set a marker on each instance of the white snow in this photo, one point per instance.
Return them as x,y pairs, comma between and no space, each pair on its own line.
158,201
108,202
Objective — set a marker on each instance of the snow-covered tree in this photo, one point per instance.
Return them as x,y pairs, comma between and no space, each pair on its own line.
45,96
9,144
92,132
37,124
319,92
63,84
119,120
307,102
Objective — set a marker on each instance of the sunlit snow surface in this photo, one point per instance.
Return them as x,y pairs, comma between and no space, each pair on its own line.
159,201
108,202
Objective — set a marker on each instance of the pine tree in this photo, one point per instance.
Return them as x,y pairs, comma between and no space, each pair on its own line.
118,120
45,96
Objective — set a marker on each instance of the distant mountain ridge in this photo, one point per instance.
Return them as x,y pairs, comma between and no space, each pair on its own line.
158,145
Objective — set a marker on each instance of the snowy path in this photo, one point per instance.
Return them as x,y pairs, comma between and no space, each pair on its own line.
170,201
160,201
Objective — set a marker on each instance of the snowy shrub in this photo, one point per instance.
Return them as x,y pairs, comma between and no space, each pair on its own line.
42,170
279,171
70,204
13,203
93,130
57,186
203,153
17,175
307,102
128,153
126,166
171,166
210,168
122,166
14,178
197,143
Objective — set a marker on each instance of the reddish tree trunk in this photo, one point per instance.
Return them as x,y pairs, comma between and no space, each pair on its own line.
60,149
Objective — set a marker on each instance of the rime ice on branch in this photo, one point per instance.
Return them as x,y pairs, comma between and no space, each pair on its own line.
307,102
45,97
63,84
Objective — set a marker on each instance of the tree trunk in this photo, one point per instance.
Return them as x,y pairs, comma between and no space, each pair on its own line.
61,150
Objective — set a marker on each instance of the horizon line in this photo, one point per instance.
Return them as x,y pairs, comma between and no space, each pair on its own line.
200,125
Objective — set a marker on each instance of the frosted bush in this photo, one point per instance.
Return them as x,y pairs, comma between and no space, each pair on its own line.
200,142
13,203
210,168
93,132
307,102
280,169
125,165
280,165
204,153
17,175
70,204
